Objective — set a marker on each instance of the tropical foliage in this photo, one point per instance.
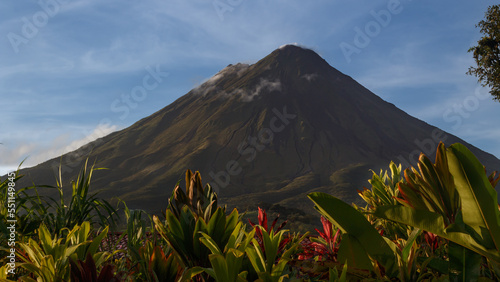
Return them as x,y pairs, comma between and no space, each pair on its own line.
439,221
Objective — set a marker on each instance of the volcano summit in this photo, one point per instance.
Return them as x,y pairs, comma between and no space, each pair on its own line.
269,132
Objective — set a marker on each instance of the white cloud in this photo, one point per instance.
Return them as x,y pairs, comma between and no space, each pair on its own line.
209,85
85,49
100,131
310,76
264,85
6,169
38,153
289,44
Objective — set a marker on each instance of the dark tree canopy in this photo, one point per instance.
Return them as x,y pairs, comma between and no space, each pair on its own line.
487,52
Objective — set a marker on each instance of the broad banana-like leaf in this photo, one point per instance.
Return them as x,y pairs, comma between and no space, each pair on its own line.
476,225
434,223
464,264
352,252
434,263
350,221
479,199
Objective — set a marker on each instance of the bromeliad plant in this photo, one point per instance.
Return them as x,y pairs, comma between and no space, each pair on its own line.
228,264
191,214
201,201
198,230
183,234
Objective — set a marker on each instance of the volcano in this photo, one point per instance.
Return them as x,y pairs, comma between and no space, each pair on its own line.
266,133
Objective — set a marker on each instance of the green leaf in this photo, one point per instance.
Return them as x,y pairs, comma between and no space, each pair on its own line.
199,227
352,251
220,268
434,223
434,263
242,277
174,225
343,276
217,225
271,245
189,273
255,256
210,243
96,242
232,220
211,272
236,237
45,238
479,199
464,263
409,243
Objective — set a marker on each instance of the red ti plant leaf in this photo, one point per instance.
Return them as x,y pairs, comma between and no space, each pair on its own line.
262,217
86,271
325,247
327,227
432,240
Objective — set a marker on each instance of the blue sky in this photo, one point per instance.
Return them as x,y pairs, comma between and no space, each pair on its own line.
68,66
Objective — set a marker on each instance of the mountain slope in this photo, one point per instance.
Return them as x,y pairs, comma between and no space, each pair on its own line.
270,132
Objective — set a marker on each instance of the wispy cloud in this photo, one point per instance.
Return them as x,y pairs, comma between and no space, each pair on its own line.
37,152
264,85
389,74
84,58
310,76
